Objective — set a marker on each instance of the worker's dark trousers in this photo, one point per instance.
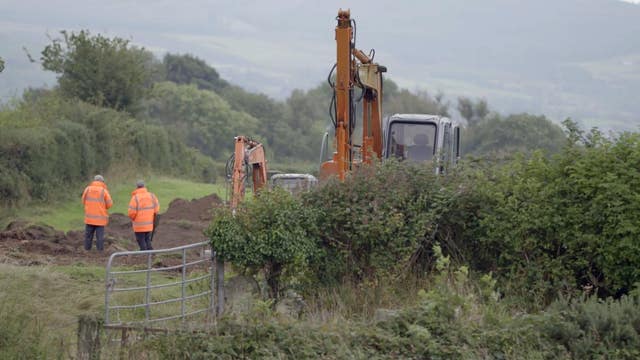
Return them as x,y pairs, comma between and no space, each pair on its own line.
144,240
88,236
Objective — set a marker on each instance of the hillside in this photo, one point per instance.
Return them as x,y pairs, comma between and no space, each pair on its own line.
526,247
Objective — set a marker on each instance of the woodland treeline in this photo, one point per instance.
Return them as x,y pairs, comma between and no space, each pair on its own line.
117,106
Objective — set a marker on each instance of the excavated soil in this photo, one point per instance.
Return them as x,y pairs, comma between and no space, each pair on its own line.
24,243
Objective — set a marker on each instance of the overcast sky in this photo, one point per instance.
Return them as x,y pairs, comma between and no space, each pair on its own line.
510,52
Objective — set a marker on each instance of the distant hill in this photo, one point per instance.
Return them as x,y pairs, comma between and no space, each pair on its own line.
578,58
561,58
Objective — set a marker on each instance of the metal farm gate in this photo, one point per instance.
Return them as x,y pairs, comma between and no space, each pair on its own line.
169,286
154,291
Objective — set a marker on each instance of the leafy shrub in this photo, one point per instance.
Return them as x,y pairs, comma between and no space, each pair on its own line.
595,328
453,319
270,232
383,221
567,222
543,225
449,321
458,316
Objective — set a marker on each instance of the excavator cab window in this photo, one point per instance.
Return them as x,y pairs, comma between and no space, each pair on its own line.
412,141
397,147
294,183
456,144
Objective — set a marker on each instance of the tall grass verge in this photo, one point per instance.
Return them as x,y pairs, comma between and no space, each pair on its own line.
39,308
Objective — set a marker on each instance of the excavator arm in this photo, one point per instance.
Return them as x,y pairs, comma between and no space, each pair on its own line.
412,137
370,79
247,154
354,69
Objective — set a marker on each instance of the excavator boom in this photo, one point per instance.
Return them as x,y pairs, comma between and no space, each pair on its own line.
354,69
247,154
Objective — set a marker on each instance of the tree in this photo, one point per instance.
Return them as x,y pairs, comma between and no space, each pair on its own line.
465,108
99,70
187,69
481,110
402,101
472,112
200,118
517,132
1,64
292,129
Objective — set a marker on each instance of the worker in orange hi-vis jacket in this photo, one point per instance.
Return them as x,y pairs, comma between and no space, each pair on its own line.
96,200
143,209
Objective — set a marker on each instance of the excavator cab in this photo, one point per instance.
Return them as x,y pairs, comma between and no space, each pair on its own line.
420,137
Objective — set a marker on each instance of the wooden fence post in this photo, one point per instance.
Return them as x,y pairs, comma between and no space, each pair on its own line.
220,286
89,331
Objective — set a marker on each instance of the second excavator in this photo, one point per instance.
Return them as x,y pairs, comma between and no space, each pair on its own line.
248,157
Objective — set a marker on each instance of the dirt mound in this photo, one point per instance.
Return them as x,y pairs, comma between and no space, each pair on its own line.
27,244
22,230
194,210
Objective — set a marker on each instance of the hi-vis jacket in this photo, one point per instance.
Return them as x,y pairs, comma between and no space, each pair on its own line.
96,201
142,209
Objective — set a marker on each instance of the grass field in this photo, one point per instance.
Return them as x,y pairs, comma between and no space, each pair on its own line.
68,215
40,306
38,311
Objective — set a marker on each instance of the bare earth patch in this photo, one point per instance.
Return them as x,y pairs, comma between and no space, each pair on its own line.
23,243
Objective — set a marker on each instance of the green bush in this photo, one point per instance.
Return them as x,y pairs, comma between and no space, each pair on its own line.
502,136
383,221
270,232
595,328
562,223
38,153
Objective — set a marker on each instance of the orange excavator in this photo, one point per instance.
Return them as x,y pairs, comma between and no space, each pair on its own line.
411,137
248,157
353,68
